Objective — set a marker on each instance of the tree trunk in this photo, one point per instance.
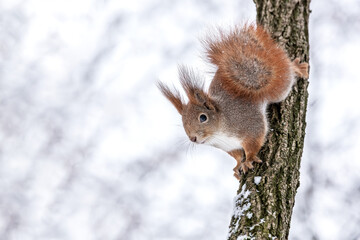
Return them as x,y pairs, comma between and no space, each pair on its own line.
266,196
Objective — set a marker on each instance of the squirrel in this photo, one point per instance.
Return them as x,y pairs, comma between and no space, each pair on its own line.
252,71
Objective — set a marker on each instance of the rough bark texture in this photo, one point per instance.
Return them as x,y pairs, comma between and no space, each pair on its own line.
266,196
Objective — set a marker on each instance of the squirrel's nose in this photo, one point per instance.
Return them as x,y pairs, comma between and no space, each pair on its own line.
193,139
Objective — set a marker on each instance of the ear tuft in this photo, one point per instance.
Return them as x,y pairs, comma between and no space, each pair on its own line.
191,82
193,85
173,96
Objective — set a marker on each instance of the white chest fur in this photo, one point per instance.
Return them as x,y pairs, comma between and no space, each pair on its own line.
224,141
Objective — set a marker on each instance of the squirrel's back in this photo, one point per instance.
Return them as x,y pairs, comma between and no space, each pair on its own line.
251,64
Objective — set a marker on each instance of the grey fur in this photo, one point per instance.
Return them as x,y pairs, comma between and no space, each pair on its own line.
239,116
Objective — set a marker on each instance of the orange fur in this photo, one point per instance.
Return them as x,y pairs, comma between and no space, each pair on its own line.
173,96
193,87
191,83
301,69
246,156
250,63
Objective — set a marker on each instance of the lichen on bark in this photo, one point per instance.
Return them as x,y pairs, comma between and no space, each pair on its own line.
270,201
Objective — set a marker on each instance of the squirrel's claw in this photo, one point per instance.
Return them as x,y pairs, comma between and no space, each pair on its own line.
244,167
258,160
248,165
243,164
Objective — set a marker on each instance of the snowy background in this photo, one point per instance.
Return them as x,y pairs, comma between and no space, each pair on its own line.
89,149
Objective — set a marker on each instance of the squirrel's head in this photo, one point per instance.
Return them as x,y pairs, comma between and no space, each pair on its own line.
200,115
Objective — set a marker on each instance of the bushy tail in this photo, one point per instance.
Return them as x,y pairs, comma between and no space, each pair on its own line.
251,64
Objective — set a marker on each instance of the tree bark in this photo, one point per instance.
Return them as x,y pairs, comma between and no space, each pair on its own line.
266,196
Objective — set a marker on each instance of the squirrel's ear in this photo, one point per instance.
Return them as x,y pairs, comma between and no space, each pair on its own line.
201,98
193,85
173,96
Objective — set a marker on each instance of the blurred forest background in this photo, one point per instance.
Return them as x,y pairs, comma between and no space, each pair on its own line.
89,149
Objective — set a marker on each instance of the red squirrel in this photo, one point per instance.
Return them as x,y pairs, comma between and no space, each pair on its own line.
252,71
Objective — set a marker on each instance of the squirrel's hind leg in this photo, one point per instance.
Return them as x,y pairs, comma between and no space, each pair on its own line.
301,69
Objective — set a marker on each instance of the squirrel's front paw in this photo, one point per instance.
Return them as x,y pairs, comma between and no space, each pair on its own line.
242,166
245,166
237,175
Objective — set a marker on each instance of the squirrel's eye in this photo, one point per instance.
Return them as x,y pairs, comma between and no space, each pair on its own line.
202,118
